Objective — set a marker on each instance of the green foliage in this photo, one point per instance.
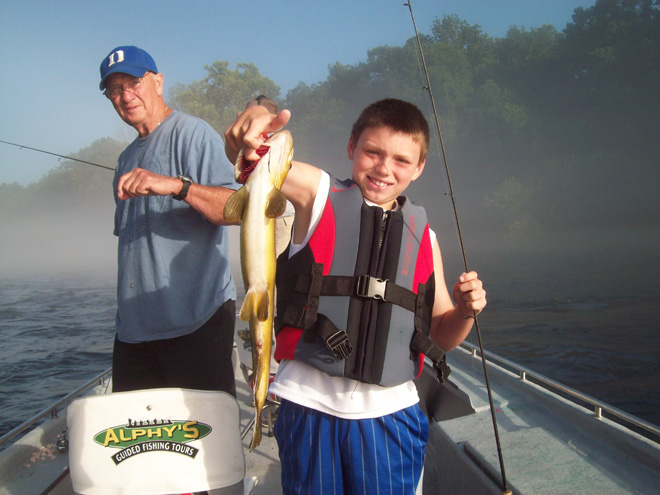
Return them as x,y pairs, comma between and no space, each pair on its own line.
569,119
223,93
612,57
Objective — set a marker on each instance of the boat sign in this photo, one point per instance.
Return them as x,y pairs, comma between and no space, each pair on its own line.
154,441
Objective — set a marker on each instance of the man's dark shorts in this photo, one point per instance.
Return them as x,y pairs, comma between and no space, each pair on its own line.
200,360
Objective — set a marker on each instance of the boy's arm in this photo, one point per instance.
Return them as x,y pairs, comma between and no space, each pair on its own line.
451,324
300,187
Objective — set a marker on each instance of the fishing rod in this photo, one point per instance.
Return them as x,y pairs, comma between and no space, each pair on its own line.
505,488
56,154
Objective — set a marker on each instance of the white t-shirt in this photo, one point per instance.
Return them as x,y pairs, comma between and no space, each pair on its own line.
336,395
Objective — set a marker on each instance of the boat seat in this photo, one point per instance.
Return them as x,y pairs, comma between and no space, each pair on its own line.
150,442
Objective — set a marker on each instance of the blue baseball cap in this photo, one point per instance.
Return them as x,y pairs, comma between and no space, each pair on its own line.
128,60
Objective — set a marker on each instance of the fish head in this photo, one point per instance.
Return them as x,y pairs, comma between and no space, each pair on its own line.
276,153
280,156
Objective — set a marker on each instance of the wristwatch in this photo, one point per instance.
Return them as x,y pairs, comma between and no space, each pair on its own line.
184,190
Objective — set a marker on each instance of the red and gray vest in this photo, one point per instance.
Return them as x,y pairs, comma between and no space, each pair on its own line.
356,301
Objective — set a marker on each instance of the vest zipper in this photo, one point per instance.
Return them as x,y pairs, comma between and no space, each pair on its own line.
364,361
381,233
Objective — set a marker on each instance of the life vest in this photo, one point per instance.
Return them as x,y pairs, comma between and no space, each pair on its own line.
356,301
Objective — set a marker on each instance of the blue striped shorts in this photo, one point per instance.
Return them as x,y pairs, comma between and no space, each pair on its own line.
323,454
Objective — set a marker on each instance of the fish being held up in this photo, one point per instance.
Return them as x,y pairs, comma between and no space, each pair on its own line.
256,205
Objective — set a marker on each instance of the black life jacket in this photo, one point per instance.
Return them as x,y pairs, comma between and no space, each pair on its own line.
356,301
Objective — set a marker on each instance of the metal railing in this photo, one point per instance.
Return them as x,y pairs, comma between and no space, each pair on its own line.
571,394
51,410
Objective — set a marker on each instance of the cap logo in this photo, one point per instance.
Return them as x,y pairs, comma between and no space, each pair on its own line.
119,54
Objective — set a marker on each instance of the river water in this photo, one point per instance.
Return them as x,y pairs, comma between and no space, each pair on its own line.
586,320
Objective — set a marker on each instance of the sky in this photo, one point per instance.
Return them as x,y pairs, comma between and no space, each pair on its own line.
50,52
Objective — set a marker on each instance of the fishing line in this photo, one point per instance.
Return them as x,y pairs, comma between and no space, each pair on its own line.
505,488
56,154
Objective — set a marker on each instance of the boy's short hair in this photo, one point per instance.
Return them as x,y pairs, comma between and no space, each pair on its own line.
264,101
400,116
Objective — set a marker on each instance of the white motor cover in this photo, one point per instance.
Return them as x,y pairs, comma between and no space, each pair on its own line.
158,441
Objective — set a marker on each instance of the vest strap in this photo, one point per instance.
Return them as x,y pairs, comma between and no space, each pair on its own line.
310,315
336,339
424,345
368,287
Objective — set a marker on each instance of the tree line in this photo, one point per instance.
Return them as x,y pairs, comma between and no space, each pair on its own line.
541,128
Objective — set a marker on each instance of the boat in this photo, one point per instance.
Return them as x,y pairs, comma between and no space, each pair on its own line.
553,439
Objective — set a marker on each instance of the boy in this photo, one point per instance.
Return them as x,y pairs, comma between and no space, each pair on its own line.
362,276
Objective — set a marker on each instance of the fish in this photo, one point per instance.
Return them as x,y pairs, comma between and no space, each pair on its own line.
256,205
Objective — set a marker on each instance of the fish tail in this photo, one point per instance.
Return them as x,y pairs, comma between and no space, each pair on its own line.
256,433
260,390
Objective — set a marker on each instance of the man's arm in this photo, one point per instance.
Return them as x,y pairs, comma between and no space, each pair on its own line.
209,201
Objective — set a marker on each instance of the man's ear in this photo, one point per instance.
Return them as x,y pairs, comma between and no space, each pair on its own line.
350,148
158,79
420,169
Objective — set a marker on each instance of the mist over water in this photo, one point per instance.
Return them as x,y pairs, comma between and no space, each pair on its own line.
58,242
579,305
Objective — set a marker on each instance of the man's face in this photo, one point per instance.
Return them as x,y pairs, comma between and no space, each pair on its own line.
384,164
138,102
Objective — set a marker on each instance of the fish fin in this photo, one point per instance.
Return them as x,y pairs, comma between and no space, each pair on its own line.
255,303
275,203
261,305
233,210
246,308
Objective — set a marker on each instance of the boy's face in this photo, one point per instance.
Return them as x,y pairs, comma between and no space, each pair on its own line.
384,164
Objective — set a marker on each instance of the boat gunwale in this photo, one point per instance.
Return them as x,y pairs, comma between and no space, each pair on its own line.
599,408
53,408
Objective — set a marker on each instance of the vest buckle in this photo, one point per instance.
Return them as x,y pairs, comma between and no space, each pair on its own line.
339,344
372,287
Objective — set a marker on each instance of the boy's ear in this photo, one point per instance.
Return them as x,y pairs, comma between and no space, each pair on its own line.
350,148
420,169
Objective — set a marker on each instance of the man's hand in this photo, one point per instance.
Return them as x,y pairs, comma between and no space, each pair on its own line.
247,131
140,182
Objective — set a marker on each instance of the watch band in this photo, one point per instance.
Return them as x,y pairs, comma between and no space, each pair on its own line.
184,190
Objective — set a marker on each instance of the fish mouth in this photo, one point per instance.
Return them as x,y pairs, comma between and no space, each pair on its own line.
247,167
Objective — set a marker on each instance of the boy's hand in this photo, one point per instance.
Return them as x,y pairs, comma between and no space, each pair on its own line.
247,131
469,294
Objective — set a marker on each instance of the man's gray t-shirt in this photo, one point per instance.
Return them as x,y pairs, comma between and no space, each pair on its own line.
174,269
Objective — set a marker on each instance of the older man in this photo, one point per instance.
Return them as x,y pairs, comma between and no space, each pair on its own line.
176,296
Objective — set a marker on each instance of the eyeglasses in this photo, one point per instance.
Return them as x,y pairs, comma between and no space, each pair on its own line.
116,91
